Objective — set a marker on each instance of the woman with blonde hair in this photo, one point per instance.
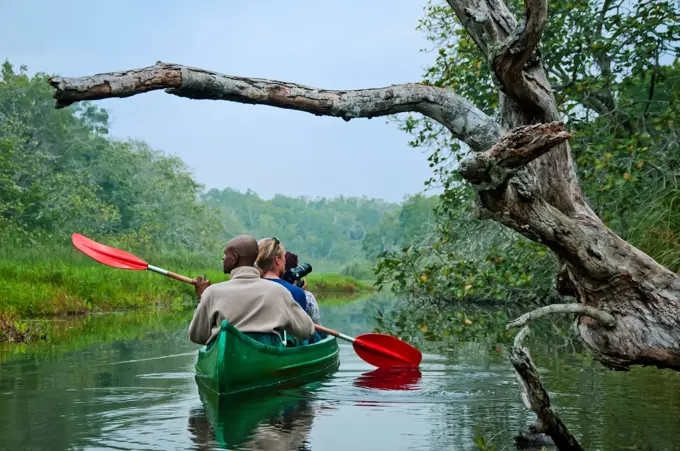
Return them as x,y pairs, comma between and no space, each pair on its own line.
271,262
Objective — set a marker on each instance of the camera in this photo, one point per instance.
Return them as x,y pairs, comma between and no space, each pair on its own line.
297,273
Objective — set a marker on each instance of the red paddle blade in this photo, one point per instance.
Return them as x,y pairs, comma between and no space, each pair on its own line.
384,350
107,255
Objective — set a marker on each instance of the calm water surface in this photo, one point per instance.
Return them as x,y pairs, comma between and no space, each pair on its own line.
139,392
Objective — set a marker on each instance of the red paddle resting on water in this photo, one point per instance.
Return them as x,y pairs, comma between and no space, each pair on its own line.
377,349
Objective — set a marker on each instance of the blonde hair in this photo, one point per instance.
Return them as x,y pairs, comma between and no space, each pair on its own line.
267,248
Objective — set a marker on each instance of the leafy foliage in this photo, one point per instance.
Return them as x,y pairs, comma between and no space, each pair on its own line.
413,223
60,172
416,324
468,258
614,71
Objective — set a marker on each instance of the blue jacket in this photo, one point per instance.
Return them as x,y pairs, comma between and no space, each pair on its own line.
297,292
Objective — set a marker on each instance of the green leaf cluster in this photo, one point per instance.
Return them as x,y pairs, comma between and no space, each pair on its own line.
60,172
615,75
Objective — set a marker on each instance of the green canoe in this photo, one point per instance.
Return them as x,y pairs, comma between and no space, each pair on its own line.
237,363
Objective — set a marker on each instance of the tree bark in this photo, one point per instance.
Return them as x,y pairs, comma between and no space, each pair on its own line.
545,203
520,182
603,318
491,169
459,115
536,398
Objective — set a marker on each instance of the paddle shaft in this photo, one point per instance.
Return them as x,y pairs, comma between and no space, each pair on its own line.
171,274
334,333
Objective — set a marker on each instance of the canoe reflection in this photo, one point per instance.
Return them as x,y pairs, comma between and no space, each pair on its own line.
264,420
390,378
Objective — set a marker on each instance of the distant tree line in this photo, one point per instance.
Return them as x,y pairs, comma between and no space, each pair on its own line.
61,172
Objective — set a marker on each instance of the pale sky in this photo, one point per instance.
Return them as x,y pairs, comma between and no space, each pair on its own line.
334,45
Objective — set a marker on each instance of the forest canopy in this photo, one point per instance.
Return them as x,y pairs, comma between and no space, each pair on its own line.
62,172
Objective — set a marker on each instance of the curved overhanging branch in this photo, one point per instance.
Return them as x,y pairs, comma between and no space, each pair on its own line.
459,115
604,318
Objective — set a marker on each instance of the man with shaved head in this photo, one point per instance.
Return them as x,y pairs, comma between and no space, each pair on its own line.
255,306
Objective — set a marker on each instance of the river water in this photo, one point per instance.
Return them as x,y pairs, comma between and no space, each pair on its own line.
121,383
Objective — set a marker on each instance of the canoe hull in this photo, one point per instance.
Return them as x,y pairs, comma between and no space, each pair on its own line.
237,363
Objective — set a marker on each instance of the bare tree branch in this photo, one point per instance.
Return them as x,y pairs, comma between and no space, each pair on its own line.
650,92
487,21
491,169
535,396
603,59
597,103
489,34
516,51
524,39
604,318
460,116
509,45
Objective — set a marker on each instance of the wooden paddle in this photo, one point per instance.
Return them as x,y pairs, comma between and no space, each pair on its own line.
376,349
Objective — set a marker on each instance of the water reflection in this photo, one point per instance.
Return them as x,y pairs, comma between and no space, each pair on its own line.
263,420
128,382
390,378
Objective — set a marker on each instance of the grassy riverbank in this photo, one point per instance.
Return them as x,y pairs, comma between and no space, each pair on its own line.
55,280
53,337
336,283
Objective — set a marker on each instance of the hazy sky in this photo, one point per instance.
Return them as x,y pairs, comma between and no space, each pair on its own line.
335,45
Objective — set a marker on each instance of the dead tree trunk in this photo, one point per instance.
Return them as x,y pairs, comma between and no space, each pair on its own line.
521,168
545,203
536,398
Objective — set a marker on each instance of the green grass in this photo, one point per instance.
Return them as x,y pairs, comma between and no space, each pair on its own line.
56,279
51,338
335,283
332,299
